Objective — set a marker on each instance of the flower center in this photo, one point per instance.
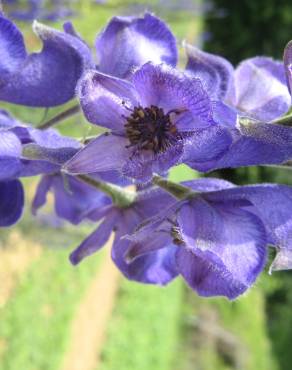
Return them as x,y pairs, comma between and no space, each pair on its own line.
151,129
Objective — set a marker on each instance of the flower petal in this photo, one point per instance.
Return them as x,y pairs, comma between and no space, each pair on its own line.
104,99
170,89
215,73
95,240
282,261
106,152
11,202
127,43
256,144
40,197
12,49
42,79
288,65
156,267
272,203
142,166
228,242
261,90
206,146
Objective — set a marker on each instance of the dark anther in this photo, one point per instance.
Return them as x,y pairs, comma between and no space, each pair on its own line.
151,129
176,236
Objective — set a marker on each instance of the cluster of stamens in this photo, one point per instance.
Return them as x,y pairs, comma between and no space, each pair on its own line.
151,129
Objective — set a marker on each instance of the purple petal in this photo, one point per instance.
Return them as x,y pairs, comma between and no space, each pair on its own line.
10,152
9,168
106,152
35,167
56,156
203,185
207,275
149,238
127,43
170,89
261,90
272,204
256,144
73,198
288,64
10,146
52,139
158,267
11,202
104,99
95,241
206,146
224,115
227,242
40,197
6,120
12,49
47,78
142,166
282,261
215,73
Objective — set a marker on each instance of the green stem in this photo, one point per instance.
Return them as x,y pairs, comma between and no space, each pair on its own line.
121,197
177,190
60,117
284,121
284,166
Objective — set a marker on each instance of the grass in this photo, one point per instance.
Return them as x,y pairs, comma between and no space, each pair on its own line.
35,322
144,330
226,335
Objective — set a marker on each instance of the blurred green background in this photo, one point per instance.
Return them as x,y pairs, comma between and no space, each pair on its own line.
51,311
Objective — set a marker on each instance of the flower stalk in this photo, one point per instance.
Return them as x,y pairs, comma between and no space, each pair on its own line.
284,121
60,117
121,197
176,190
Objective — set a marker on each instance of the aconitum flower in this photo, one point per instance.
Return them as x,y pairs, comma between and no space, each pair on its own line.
26,151
155,268
256,88
74,198
127,43
257,92
219,237
42,79
288,64
150,118
48,149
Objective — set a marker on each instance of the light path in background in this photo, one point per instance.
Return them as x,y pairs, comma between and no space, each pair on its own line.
91,320
17,256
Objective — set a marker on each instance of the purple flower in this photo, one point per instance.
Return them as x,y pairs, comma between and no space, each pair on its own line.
150,118
40,79
155,268
25,151
50,148
288,64
256,88
11,202
219,236
129,42
253,143
73,198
